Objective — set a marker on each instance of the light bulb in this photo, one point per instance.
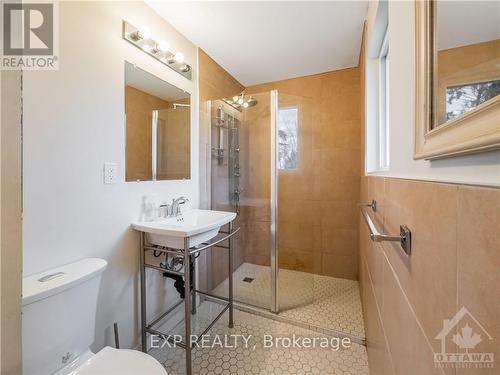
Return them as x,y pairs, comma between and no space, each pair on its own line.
235,99
144,32
146,47
240,101
163,46
245,105
179,57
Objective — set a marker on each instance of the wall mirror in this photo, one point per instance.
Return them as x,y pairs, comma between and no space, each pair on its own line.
157,128
457,78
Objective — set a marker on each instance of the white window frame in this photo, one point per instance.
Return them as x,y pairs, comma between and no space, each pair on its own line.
383,103
377,100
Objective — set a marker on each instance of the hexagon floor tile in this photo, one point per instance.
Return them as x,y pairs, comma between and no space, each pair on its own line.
255,357
323,301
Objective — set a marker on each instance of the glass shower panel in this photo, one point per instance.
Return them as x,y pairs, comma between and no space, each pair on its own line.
172,143
241,182
299,234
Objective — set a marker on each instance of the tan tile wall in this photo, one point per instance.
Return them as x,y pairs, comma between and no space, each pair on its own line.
214,83
174,143
318,217
454,263
138,108
255,162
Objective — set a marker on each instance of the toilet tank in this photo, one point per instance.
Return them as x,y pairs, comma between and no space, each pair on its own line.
59,309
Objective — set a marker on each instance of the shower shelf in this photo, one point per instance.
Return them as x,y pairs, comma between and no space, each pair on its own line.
220,126
223,126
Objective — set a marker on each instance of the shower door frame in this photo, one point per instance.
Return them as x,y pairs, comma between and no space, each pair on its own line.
274,253
274,303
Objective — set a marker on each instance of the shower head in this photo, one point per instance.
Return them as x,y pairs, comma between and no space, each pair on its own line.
238,101
251,102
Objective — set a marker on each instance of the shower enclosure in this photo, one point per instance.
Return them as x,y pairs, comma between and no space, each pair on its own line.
262,168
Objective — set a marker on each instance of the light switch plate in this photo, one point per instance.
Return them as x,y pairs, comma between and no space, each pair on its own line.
110,173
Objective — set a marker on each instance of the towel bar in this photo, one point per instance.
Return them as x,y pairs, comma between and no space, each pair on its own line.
372,205
404,237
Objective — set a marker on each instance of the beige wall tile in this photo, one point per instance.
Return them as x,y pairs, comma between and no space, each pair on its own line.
338,187
410,351
306,261
339,214
479,266
326,180
340,241
215,83
342,266
299,236
429,275
376,344
453,264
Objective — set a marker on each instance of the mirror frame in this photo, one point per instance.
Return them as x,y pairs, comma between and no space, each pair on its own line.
477,130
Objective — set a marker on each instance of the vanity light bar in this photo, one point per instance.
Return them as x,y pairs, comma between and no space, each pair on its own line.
141,38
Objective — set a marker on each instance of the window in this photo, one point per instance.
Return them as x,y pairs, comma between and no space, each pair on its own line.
377,100
383,110
287,138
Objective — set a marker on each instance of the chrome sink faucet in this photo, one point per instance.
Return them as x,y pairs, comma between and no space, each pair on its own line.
175,207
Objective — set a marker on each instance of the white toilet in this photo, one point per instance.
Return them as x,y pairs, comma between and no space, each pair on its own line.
59,308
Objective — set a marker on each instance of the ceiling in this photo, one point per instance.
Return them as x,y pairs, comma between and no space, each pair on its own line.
151,84
259,42
461,23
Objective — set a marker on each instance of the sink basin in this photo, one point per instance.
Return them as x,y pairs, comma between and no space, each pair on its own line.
198,225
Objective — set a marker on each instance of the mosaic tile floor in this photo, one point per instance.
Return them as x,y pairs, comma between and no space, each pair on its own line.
254,358
322,301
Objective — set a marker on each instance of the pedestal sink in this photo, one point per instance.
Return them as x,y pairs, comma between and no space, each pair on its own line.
199,225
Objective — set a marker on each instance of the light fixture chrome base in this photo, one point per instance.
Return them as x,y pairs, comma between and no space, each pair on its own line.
149,46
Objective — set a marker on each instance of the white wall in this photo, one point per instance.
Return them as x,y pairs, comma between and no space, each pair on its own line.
73,123
10,228
481,169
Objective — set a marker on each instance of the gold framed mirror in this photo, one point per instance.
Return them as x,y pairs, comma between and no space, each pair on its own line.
457,51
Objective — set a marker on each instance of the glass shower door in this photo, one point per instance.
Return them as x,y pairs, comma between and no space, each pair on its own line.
241,182
299,234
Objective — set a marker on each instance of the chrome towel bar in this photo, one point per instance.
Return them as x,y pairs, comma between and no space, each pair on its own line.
372,205
404,237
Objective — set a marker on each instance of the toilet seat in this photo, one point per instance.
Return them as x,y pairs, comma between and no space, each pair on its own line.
110,361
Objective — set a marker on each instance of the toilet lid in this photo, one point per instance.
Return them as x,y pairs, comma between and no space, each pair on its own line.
110,361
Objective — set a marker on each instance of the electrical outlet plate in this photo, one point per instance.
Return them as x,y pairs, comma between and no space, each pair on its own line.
110,173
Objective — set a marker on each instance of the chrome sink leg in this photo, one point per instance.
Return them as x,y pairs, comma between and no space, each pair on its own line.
193,295
187,307
143,296
231,324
